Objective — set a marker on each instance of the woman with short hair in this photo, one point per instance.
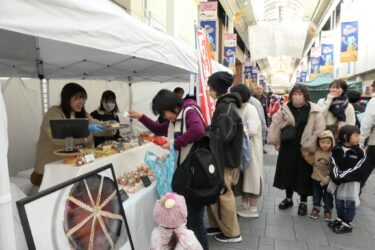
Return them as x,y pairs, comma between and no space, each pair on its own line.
107,111
294,128
184,124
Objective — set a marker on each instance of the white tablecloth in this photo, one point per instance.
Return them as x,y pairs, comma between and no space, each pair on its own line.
138,208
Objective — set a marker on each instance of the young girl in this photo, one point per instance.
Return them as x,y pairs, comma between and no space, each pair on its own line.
321,162
170,214
347,159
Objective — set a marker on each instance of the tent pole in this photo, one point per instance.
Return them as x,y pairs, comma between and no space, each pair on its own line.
7,237
130,79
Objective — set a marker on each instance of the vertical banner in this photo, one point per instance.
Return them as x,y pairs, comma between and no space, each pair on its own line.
207,104
207,17
303,76
326,59
327,55
349,41
247,71
254,74
230,43
314,69
315,54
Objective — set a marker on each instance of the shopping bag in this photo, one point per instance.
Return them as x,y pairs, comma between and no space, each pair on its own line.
163,169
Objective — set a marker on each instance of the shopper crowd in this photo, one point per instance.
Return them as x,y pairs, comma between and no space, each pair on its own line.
325,151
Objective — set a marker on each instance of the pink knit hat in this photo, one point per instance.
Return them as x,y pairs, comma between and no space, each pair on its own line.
170,211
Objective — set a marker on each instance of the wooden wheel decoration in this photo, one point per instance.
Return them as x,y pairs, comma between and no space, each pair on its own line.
92,218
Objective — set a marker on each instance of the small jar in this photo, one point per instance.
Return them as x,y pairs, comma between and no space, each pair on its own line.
123,181
137,178
131,182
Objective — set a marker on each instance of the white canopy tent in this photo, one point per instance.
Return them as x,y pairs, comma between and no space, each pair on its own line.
86,39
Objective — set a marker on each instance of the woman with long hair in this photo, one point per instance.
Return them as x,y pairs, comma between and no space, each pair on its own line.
72,105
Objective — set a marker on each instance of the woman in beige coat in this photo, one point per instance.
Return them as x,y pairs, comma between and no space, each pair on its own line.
295,127
73,99
253,175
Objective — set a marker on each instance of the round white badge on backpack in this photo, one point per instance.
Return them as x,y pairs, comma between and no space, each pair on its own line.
211,169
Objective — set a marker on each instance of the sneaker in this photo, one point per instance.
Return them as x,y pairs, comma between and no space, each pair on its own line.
302,209
243,206
314,213
286,203
222,238
327,215
335,223
248,213
343,228
213,231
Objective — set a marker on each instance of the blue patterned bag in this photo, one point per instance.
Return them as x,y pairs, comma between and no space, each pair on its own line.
163,170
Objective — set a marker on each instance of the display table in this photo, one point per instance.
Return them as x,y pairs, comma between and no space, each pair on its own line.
138,208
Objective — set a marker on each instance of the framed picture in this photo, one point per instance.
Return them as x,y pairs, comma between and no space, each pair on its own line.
83,213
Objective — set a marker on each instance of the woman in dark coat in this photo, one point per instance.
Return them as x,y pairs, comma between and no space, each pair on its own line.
292,171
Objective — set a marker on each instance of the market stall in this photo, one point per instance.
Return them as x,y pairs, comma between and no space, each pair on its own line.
80,40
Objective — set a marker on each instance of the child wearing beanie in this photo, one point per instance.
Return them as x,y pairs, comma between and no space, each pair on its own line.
321,162
170,214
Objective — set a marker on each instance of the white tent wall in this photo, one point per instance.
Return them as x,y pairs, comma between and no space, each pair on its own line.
7,233
24,109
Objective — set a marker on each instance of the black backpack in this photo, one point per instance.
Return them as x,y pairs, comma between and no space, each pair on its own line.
199,178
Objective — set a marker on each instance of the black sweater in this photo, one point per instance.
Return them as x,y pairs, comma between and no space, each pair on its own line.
102,116
347,166
226,131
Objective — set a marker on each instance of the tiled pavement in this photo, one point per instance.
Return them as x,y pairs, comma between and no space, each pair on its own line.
276,229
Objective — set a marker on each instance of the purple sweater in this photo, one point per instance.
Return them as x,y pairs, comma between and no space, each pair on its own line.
194,126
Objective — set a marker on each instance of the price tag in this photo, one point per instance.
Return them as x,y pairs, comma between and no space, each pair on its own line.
146,181
123,195
89,158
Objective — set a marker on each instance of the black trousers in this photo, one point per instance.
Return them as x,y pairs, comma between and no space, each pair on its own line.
368,165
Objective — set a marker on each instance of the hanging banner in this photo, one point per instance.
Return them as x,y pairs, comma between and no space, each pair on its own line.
254,74
207,18
327,56
230,43
247,71
207,104
314,69
326,59
349,41
315,52
303,76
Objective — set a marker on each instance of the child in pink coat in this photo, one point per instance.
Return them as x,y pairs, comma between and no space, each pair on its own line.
170,214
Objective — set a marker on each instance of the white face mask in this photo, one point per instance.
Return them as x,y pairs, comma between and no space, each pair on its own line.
298,101
109,106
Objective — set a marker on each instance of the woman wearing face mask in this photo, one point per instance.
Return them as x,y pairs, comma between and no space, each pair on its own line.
176,111
295,128
73,99
107,111
337,111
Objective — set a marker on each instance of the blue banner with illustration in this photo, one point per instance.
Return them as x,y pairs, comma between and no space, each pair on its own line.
210,28
207,21
247,73
230,43
349,41
303,76
326,59
314,69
